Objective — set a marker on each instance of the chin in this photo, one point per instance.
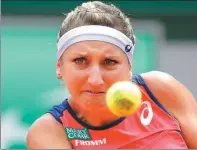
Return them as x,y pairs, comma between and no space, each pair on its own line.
94,102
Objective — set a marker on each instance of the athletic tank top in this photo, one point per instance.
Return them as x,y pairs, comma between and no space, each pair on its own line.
150,127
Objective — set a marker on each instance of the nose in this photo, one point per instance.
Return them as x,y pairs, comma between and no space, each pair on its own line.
95,77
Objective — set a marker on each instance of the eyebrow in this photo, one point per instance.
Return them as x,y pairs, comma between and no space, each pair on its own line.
85,54
111,56
80,53
106,54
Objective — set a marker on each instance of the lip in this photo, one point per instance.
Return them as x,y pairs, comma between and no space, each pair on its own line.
94,92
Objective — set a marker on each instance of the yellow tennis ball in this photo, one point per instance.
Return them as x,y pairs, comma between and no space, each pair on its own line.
123,98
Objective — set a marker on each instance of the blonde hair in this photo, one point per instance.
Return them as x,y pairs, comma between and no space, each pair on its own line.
97,13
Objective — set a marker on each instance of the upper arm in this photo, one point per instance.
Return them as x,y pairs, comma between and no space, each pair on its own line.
47,133
178,100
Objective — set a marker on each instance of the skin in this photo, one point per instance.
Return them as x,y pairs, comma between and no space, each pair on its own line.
93,67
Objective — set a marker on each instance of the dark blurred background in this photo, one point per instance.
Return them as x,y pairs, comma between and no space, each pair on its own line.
166,34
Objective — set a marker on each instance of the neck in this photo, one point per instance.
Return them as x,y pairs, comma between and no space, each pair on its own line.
93,116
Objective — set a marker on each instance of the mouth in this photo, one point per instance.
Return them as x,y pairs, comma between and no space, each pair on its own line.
95,92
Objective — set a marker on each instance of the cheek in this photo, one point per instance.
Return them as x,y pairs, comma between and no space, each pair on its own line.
74,81
117,75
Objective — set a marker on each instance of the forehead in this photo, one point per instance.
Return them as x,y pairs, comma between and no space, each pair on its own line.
94,46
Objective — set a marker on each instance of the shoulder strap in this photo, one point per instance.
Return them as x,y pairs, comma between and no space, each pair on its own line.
140,81
57,110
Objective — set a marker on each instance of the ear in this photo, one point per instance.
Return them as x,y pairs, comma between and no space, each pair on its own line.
130,71
130,74
58,70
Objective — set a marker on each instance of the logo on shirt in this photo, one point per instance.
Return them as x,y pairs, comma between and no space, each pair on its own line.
147,113
91,142
82,134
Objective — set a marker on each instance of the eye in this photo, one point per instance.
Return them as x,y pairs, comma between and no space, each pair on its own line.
110,62
80,60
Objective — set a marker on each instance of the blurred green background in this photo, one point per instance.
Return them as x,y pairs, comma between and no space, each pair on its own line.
28,57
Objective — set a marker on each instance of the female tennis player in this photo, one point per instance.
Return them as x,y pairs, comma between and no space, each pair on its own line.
95,50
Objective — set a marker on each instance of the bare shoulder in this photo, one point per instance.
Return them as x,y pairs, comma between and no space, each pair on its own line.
157,76
178,100
46,133
160,83
169,91
163,88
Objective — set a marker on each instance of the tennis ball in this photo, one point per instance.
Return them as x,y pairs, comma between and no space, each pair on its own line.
123,98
